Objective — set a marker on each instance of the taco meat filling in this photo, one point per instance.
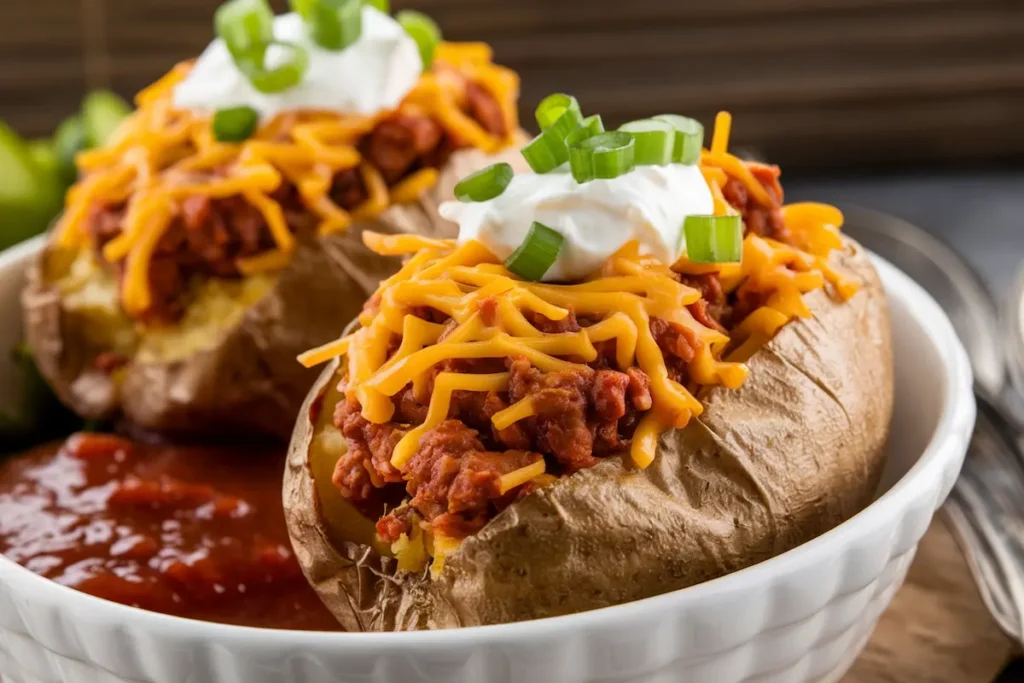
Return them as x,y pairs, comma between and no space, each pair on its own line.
452,481
210,234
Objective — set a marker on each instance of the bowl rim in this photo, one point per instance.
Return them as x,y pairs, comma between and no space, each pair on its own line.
957,410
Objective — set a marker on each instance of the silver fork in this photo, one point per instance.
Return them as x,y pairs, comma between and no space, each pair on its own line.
986,506
986,511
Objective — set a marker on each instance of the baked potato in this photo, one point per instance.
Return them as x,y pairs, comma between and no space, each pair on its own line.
494,445
191,265
793,453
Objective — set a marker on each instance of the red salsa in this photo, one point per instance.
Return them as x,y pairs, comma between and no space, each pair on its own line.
196,532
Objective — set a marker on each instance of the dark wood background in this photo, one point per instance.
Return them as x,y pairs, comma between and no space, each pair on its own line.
812,83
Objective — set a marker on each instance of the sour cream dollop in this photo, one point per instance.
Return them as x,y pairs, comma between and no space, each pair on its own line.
373,73
649,204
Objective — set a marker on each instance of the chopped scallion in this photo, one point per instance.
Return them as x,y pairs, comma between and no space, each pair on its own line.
423,30
536,254
485,184
714,239
246,27
655,141
333,24
546,152
235,124
286,74
689,138
560,113
588,128
605,155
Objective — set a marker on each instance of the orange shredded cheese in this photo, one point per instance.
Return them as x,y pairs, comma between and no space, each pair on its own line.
521,476
636,289
160,156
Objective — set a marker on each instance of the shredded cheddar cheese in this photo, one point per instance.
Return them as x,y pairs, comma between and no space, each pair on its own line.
160,156
395,348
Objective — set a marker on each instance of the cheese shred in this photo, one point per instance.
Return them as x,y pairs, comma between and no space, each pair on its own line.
160,156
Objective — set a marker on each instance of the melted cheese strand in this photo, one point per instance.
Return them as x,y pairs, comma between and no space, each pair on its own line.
160,154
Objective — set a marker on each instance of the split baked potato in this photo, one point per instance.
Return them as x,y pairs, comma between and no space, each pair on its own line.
798,449
228,366
204,246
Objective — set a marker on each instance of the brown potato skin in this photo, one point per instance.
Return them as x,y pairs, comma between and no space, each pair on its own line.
248,384
793,453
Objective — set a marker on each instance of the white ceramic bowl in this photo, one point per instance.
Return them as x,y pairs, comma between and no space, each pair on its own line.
802,616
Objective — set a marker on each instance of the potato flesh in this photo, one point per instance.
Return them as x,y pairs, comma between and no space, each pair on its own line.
90,292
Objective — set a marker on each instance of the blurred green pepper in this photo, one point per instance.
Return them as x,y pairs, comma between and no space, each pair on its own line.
30,195
102,113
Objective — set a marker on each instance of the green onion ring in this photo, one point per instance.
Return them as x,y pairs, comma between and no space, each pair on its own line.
655,141
605,155
589,127
560,113
689,138
333,24
546,152
423,30
536,254
714,239
246,27
235,124
485,184
280,77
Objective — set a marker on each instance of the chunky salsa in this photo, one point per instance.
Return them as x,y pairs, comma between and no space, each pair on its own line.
195,532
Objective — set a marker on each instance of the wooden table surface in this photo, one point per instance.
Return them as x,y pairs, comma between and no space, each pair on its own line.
937,629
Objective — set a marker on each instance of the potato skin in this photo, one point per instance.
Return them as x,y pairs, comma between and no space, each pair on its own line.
248,382
793,453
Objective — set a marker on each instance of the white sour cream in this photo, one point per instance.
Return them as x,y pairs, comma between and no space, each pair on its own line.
373,73
648,204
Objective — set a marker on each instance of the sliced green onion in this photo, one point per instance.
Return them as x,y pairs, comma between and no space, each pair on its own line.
423,30
689,138
713,239
485,184
655,141
333,24
588,128
281,77
235,123
382,5
605,155
536,254
546,152
246,27
560,113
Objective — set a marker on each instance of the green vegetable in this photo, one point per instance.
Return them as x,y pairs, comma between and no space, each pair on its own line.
714,239
235,123
29,196
655,141
537,253
246,27
68,140
383,5
287,74
605,155
102,113
333,24
40,415
423,30
688,140
44,156
485,184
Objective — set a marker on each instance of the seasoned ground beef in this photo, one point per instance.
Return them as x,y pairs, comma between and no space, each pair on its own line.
454,482
209,235
579,415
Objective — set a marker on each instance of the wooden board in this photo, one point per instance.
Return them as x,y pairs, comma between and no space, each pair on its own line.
812,83
937,629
